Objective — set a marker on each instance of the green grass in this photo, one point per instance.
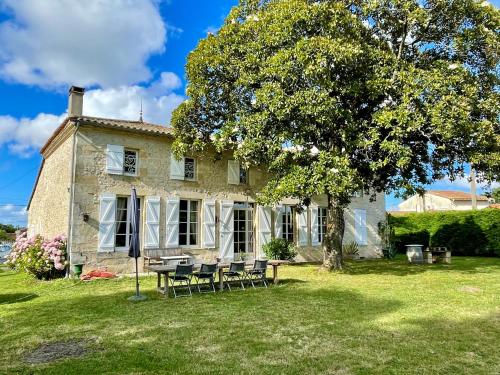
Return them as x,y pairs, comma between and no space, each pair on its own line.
376,317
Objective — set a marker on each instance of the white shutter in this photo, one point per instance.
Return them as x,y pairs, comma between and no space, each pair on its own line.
278,222
172,226
152,223
264,228
226,243
233,172
302,228
360,227
209,223
314,226
114,159
176,168
107,222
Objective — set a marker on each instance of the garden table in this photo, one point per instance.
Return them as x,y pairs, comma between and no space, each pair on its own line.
165,270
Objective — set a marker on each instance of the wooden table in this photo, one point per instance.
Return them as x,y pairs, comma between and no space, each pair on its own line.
165,270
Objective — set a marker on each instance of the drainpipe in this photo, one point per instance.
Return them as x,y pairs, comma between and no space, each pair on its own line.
71,198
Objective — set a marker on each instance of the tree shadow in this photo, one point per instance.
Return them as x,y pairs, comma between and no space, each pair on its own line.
10,298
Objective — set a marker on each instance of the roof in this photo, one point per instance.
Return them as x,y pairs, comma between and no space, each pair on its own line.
455,195
494,205
136,126
126,124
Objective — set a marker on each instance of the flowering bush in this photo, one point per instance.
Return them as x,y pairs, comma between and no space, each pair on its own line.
44,259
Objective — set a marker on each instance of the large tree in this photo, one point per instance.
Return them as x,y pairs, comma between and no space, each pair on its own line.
336,96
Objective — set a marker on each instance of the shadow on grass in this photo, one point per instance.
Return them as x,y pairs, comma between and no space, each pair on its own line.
8,299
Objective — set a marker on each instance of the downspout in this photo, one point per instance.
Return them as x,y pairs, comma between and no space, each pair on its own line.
71,198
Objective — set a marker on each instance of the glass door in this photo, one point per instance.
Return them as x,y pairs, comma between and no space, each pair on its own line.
243,230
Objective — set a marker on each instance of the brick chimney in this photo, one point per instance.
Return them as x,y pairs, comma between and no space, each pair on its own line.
75,102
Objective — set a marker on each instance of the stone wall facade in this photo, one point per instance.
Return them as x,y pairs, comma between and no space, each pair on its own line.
49,206
153,179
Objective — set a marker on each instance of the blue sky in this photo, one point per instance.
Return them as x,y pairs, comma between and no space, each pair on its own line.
119,53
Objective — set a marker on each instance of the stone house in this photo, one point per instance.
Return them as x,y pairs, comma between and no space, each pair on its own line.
202,206
441,200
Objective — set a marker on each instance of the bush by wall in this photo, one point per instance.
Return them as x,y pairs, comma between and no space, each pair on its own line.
44,259
464,232
279,248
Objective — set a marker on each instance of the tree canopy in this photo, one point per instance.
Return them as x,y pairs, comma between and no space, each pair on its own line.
337,96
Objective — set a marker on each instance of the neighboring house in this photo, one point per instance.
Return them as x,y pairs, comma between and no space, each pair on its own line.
201,205
440,200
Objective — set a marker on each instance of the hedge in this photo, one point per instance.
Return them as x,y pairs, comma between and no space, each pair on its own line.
464,232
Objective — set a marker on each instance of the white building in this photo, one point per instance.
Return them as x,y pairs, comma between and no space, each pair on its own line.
441,200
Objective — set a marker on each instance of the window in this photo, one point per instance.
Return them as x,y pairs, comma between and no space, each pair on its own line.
287,222
123,225
189,169
243,228
130,163
188,222
322,215
243,175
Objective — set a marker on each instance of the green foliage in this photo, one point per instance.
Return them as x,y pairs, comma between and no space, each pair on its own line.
9,228
350,249
390,252
381,95
496,194
279,248
3,235
464,232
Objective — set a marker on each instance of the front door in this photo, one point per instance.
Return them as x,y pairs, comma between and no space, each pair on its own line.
243,230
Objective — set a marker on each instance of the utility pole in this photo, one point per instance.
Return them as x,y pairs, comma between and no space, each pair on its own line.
473,187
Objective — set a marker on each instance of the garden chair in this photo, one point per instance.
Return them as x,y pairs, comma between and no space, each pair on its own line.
236,272
206,272
183,275
258,272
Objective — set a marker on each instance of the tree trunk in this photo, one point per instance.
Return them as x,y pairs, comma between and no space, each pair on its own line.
332,245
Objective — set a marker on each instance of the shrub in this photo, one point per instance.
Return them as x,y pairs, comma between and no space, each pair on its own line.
44,259
279,248
350,249
463,232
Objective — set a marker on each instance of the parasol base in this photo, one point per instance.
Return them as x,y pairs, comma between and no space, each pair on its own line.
137,298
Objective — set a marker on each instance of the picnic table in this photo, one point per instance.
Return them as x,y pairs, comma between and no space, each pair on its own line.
165,270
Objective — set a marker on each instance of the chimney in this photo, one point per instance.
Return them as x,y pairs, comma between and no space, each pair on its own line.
75,102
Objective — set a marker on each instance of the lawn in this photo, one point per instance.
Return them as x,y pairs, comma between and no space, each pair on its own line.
376,317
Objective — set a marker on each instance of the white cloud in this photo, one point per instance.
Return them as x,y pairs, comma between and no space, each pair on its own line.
25,136
93,42
463,184
13,214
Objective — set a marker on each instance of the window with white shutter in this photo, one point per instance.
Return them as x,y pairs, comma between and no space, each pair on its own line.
264,228
208,223
152,224
233,172
176,168
278,221
226,229
107,222
302,228
315,239
114,159
360,234
172,223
